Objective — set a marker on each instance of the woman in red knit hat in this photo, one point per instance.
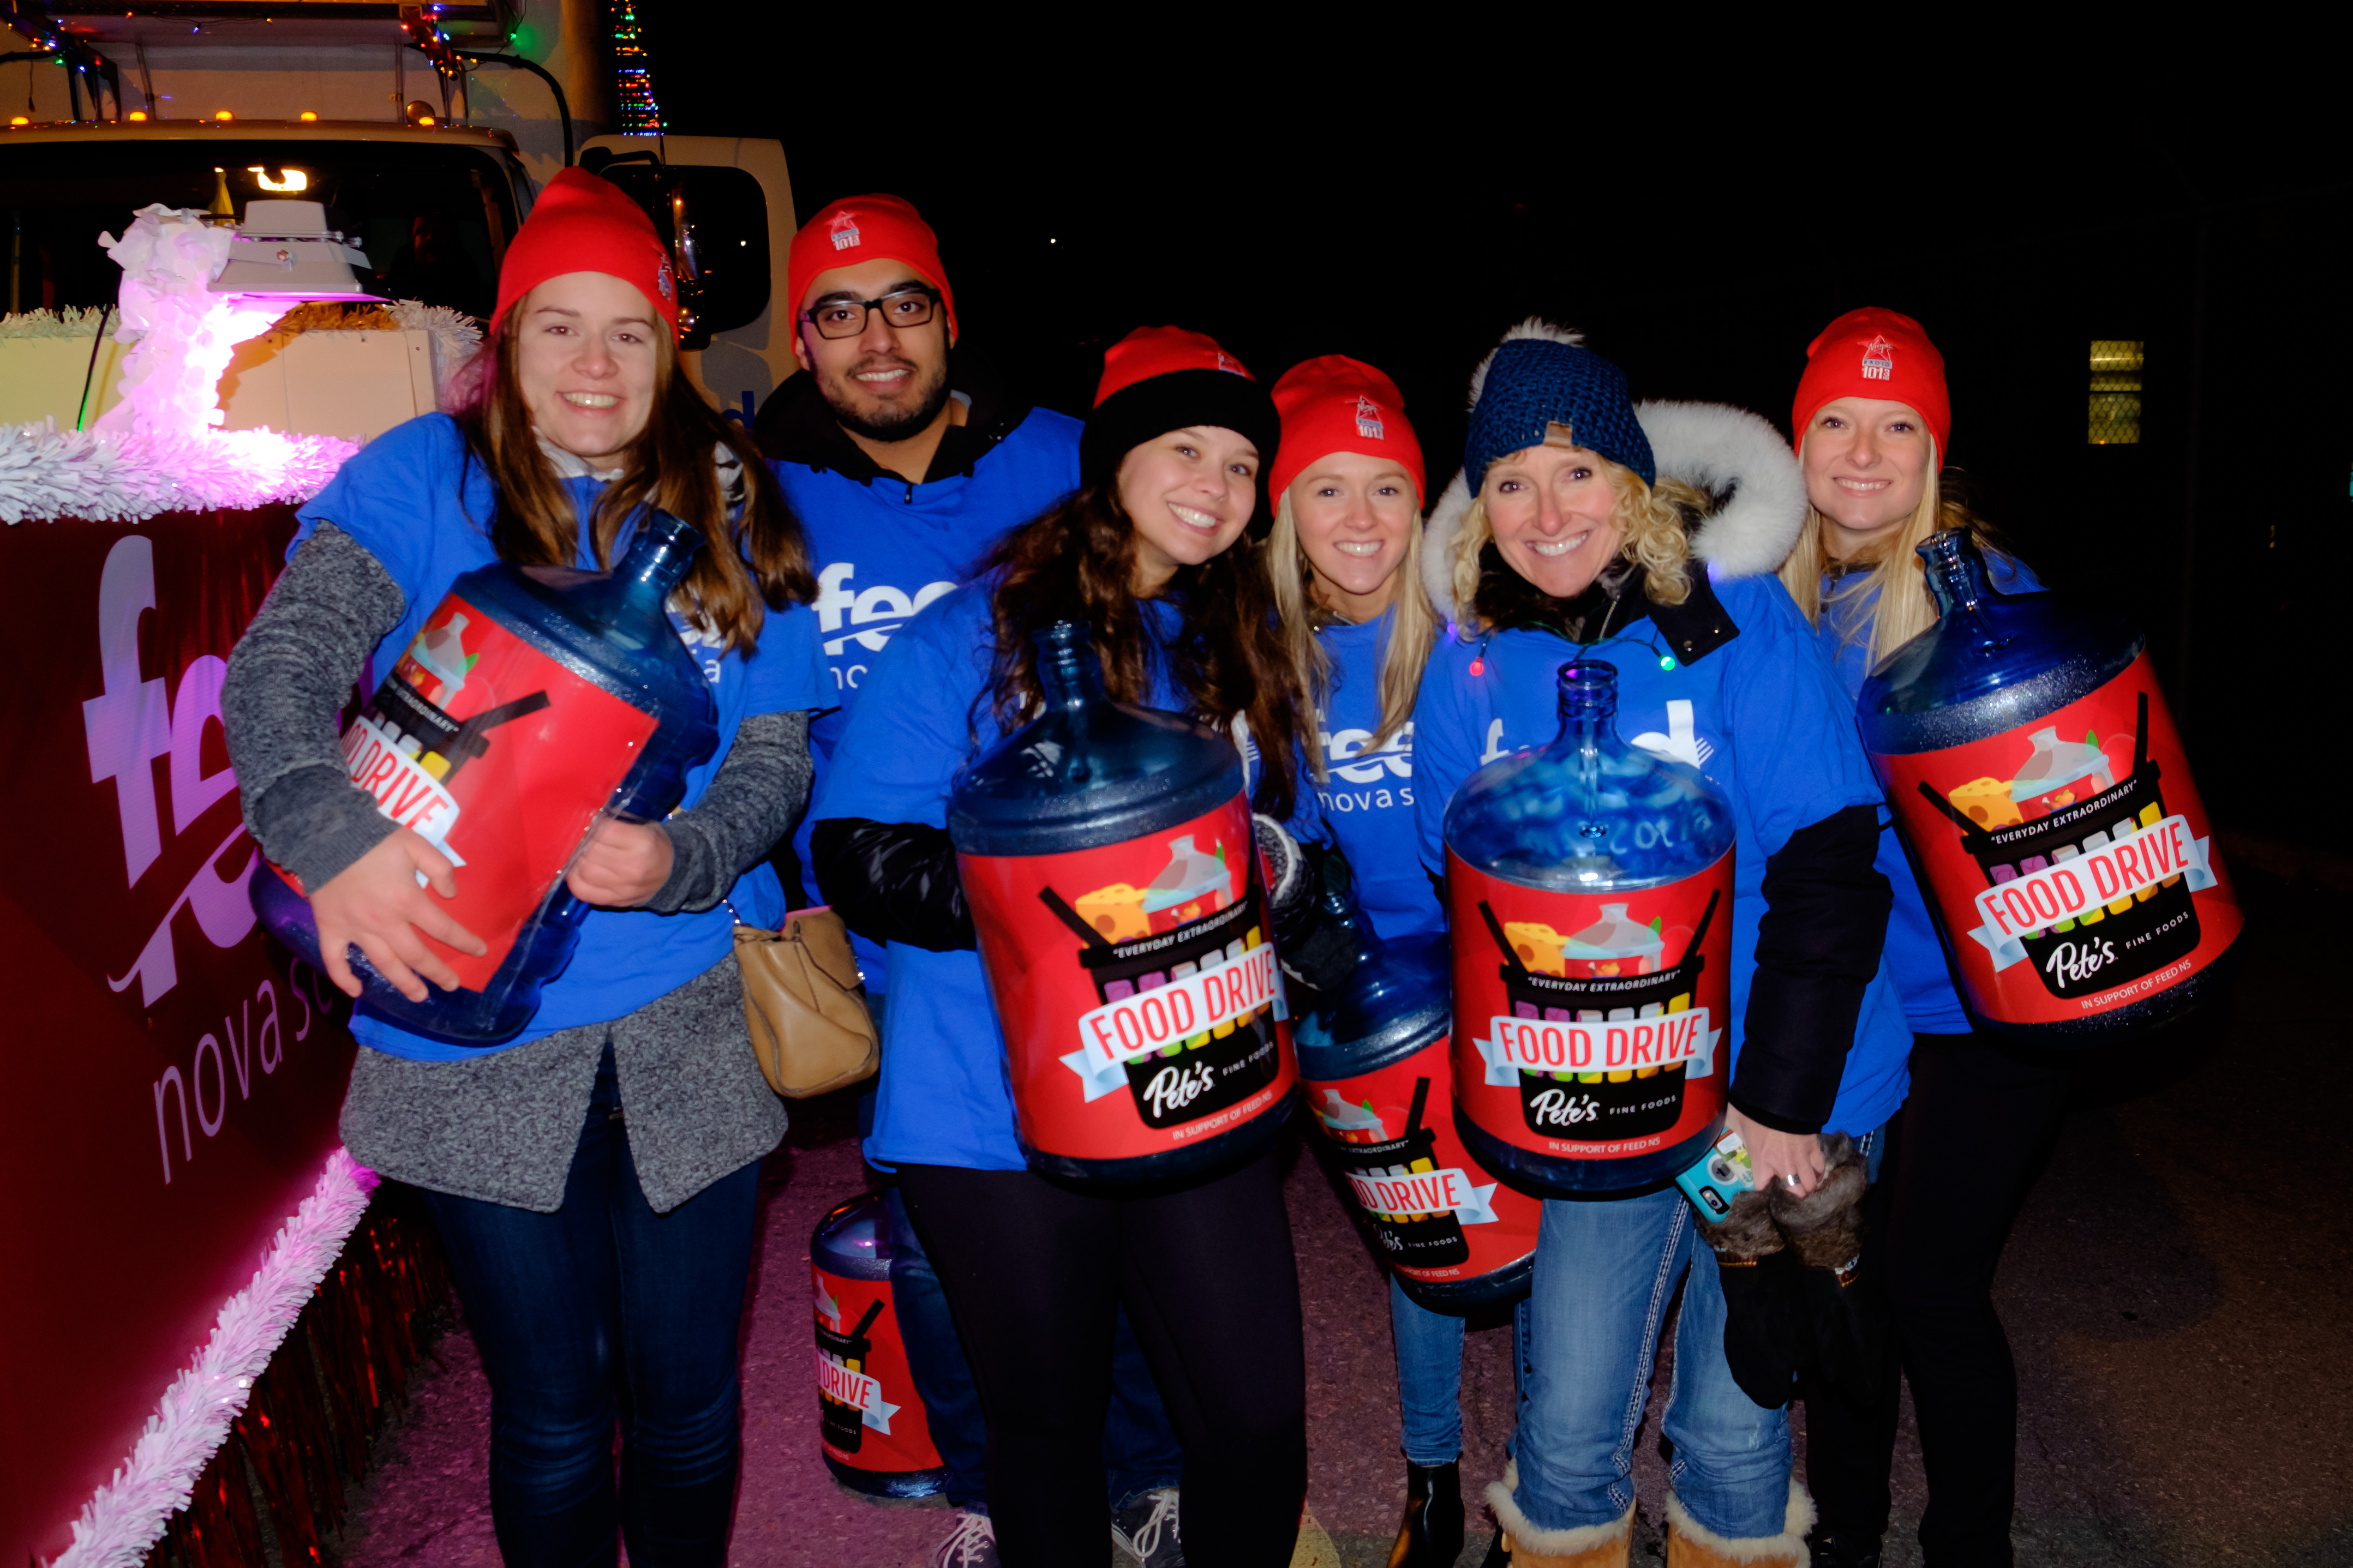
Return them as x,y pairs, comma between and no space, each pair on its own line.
1346,560
1871,421
595,1178
1156,554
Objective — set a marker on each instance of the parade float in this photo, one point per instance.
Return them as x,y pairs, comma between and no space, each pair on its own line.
208,1316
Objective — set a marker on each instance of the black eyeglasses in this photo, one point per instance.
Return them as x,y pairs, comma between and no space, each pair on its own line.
847,318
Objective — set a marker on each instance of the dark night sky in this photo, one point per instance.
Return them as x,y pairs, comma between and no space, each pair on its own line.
1404,203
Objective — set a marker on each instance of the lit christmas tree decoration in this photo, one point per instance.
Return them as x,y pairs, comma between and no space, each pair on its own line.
640,114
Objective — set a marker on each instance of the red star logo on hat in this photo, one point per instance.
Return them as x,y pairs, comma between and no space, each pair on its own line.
842,228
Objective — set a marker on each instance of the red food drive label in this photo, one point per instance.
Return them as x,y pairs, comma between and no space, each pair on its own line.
867,1407
500,758
1590,1025
2068,859
1436,1212
1137,987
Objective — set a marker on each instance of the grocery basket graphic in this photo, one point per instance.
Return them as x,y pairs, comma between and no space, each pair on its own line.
1422,1240
2146,930
1238,1055
1632,1103
845,1424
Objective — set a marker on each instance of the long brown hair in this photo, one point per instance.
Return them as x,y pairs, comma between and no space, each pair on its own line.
672,465
1075,562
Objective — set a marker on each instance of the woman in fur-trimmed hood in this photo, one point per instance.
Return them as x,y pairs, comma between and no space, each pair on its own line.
1584,525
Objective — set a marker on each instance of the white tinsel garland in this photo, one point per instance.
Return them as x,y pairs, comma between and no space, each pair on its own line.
125,1517
106,477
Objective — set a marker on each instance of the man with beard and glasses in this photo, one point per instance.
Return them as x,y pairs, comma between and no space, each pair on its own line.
905,465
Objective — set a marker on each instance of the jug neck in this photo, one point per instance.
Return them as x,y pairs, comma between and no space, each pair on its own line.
659,558
1957,577
1588,705
1069,673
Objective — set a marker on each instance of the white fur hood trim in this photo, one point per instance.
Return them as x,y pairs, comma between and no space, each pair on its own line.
1713,446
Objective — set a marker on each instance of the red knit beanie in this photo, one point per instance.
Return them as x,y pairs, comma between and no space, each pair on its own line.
583,224
1158,379
1335,403
865,229
1874,352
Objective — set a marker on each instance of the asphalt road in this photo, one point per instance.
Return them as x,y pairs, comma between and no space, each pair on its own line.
2173,1294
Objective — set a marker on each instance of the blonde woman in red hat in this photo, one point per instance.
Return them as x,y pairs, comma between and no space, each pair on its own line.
1359,626
1871,421
596,1178
1156,553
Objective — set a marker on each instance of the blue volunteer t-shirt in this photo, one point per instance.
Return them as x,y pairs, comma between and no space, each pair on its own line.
1761,716
1367,792
1915,956
943,1098
418,505
884,551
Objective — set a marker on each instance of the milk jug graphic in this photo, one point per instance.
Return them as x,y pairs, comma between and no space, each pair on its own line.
2048,808
1108,857
1589,890
1374,1056
533,701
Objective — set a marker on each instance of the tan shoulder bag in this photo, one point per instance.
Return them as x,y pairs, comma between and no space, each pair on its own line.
805,1004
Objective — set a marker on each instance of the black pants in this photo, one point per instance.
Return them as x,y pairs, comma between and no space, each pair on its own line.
1033,1272
1965,1149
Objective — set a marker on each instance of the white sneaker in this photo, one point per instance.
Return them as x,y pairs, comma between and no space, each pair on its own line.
971,1544
1146,1530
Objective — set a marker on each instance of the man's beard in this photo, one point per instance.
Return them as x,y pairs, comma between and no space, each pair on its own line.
891,423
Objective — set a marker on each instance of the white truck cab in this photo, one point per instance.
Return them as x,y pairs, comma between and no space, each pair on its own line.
425,130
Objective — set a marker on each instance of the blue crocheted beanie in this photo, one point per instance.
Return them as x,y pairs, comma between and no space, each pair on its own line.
1535,382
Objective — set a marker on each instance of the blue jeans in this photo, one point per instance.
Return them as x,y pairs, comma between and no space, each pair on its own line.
1430,1374
1605,1273
1140,1447
606,1311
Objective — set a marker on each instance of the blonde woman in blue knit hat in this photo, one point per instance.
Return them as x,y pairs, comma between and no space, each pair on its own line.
1578,522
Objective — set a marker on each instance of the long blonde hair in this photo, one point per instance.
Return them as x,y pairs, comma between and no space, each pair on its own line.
1903,606
1651,516
1413,628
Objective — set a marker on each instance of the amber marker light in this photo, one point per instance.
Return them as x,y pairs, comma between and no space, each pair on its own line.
223,115
309,115
136,114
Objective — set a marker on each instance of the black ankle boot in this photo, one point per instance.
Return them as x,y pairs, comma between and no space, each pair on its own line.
1431,1535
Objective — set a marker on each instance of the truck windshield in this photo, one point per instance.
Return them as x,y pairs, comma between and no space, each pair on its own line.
433,219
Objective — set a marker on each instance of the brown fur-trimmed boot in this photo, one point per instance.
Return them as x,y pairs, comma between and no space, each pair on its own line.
1587,1546
1691,1545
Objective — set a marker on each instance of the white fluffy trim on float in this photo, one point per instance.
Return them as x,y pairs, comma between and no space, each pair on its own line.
104,477
125,1517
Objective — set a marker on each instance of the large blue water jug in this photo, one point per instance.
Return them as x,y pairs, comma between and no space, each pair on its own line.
1372,1059
533,700
2047,804
872,1425
1589,890
1108,857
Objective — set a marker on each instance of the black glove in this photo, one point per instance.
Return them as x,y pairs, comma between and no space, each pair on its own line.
1316,950
1759,1298
1840,1329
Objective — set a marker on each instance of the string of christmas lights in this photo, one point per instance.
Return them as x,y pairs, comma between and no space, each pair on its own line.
640,114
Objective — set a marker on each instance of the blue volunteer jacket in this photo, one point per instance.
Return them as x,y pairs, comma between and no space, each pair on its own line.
883,548
1366,795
